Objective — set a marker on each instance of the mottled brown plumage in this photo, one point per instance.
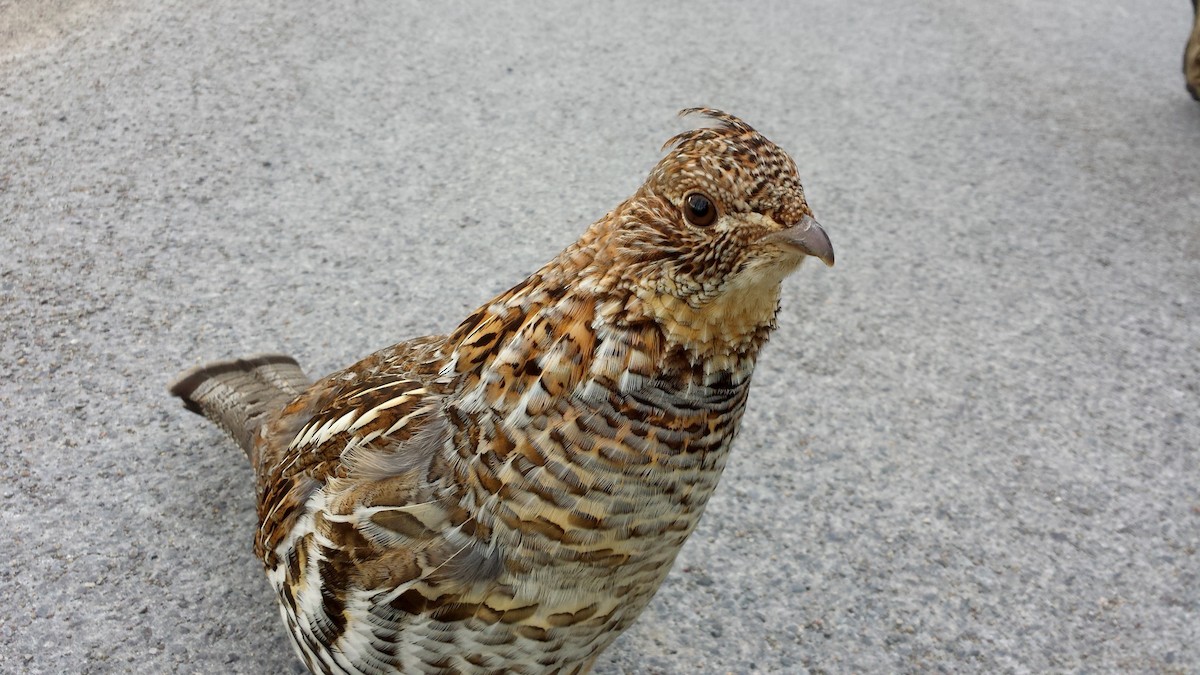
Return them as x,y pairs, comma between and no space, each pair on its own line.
508,497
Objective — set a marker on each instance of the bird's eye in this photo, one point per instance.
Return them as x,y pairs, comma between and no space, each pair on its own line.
699,210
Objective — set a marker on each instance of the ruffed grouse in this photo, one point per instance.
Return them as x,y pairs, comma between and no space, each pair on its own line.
508,497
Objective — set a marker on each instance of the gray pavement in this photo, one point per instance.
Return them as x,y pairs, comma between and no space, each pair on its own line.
973,446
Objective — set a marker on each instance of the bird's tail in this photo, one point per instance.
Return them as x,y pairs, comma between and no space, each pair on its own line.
240,394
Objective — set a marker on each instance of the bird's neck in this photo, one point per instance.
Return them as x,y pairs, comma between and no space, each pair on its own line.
558,332
725,333
634,287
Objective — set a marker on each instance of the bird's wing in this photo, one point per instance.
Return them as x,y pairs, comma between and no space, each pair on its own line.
359,509
356,461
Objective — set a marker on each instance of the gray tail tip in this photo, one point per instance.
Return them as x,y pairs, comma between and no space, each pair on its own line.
190,380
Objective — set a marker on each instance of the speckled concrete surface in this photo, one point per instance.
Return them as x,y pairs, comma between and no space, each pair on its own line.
972,446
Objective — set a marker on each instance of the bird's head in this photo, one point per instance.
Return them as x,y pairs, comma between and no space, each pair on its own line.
705,242
683,275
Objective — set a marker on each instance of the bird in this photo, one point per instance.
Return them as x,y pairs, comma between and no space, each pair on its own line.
508,496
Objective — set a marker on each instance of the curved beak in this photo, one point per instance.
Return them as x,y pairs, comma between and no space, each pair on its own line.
807,236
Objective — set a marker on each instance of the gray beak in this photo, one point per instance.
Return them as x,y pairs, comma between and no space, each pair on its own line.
808,236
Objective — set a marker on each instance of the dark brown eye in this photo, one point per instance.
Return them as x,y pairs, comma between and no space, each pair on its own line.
699,210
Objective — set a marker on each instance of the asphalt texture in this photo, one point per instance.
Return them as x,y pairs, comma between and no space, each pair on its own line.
972,446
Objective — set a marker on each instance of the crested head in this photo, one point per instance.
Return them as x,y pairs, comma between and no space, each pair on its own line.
704,244
687,270
735,165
